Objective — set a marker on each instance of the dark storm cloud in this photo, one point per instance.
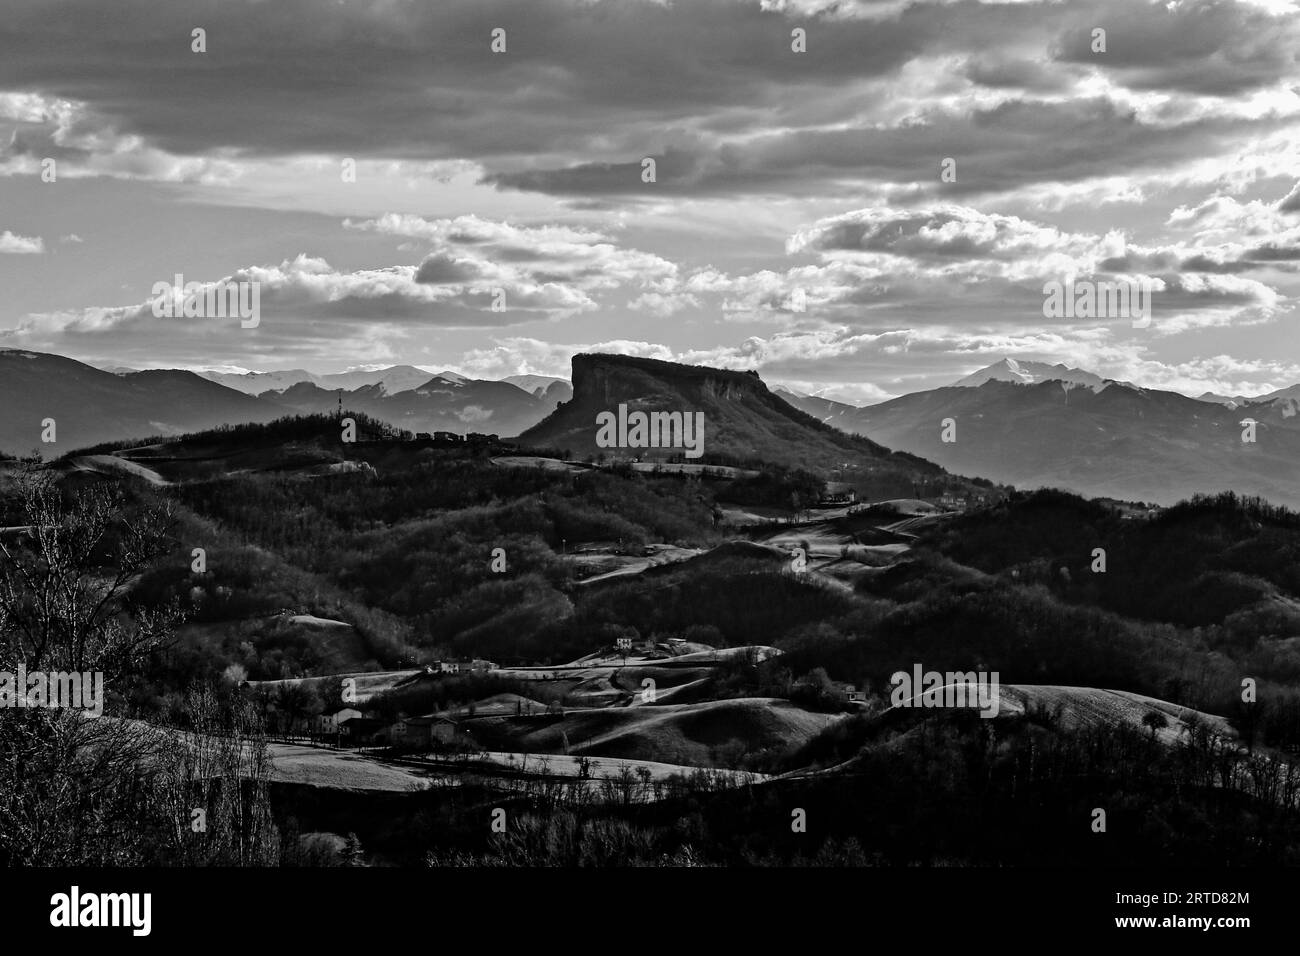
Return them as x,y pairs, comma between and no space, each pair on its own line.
419,80
1007,147
1274,253
1002,72
597,86
1211,48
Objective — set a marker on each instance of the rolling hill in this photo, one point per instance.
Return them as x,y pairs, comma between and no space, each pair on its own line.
679,733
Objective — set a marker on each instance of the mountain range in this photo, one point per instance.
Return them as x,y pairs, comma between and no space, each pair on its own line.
1017,422
396,378
438,404
1234,401
1031,373
91,405
411,397
1032,425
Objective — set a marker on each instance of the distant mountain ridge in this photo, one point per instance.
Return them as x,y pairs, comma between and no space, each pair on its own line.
255,383
89,405
1034,424
394,378
1234,401
1116,440
825,410
407,396
1119,441
438,404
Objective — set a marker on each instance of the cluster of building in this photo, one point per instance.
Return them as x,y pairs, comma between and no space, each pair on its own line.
475,666
451,438
838,493
955,502
351,728
389,433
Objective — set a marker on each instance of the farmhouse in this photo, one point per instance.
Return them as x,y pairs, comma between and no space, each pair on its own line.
329,723
421,733
838,493
851,693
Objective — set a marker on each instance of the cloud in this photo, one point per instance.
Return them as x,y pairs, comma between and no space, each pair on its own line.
940,232
473,249
441,268
1291,201
798,205
711,89
1206,47
476,273
530,356
20,245
306,303
1002,148
662,305
1002,71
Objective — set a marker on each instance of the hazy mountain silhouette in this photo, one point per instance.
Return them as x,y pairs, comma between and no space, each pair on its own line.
1122,441
90,405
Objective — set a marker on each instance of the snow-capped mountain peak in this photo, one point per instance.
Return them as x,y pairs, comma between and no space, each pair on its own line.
1023,372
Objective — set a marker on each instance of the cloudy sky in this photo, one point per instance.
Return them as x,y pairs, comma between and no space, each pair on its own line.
779,174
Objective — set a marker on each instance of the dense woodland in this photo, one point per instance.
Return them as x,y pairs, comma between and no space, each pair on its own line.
1192,600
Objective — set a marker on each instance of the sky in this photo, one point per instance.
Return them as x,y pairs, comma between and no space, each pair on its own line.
869,207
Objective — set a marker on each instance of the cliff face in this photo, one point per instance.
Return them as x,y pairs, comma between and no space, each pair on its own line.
744,422
605,379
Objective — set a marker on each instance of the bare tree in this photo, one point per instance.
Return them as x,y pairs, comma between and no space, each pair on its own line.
82,790
213,784
64,588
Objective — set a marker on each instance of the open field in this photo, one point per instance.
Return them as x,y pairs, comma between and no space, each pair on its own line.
114,465
608,566
544,464
347,770
368,683
691,734
340,770
1087,707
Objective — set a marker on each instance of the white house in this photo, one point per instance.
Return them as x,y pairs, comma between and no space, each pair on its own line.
329,723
